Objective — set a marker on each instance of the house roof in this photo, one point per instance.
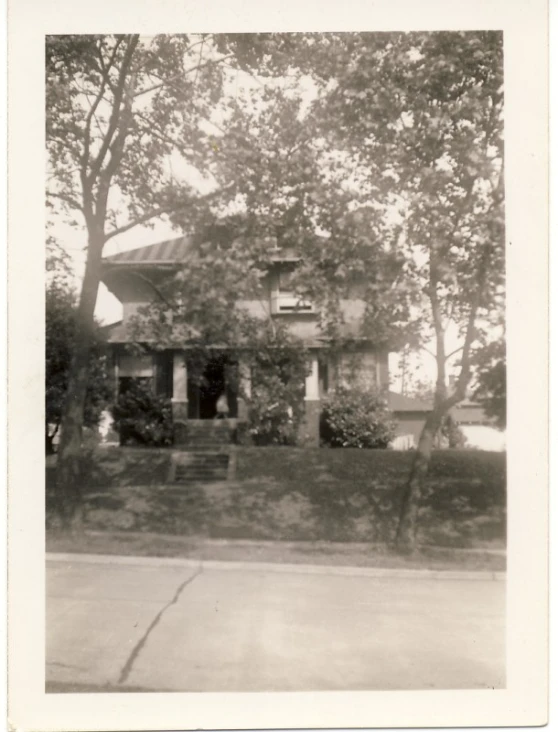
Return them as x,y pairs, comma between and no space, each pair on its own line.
164,252
470,413
465,413
401,403
173,251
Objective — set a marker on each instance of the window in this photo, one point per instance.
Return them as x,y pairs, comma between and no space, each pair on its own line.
285,300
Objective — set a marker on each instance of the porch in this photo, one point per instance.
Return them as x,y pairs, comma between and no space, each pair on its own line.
196,387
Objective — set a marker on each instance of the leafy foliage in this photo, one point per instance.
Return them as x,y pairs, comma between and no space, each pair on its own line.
356,416
143,418
491,389
198,304
61,324
276,404
420,115
453,433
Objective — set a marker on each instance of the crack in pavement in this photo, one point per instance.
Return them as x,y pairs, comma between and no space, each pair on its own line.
126,669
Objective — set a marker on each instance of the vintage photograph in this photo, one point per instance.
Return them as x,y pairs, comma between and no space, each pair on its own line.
275,376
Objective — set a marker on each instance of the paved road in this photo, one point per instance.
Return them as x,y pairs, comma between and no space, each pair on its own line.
133,625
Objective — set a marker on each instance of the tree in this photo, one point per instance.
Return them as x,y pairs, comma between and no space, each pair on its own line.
123,113
288,193
293,185
419,119
491,390
61,312
61,322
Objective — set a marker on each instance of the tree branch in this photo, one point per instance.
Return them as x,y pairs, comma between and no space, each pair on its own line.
470,334
160,134
154,288
67,199
117,146
115,114
105,70
93,109
427,350
170,81
199,60
154,213
456,350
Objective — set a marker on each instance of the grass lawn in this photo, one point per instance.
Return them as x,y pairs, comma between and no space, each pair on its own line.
351,554
349,499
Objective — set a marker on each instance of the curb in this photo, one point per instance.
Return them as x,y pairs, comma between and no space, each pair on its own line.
314,543
316,569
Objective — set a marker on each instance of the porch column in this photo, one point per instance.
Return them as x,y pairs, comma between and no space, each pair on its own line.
312,392
244,390
116,365
311,426
179,387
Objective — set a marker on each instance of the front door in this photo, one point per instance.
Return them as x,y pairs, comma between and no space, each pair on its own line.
218,377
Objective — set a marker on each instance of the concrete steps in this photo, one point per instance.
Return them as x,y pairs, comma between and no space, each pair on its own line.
206,434
204,454
200,467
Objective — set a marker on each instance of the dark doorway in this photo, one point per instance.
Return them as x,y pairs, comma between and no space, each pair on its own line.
218,377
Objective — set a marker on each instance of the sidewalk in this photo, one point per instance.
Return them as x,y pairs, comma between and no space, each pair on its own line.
184,625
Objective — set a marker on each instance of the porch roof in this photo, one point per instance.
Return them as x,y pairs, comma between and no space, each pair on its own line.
117,333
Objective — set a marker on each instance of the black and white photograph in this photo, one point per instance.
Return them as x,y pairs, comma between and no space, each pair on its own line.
277,330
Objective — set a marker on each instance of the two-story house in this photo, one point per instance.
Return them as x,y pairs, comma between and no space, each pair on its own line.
130,277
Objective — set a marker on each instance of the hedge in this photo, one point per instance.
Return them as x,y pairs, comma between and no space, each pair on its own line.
119,466
476,473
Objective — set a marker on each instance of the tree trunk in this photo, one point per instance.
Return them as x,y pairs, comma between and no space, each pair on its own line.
405,540
68,478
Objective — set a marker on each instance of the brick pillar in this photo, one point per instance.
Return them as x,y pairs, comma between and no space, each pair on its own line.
310,428
179,395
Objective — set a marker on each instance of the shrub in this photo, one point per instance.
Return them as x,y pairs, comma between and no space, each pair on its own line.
276,405
274,414
356,417
61,325
453,433
142,418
